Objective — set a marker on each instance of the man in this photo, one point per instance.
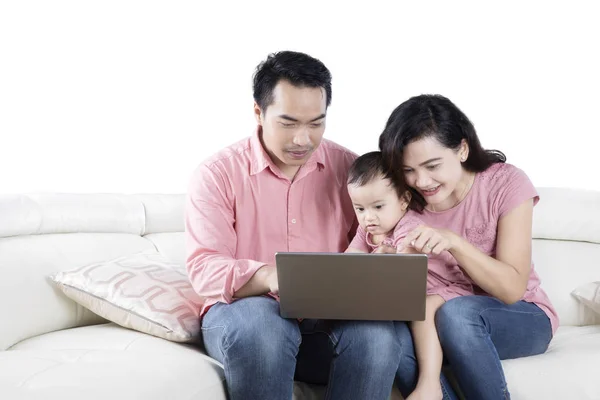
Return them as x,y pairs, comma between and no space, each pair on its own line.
283,189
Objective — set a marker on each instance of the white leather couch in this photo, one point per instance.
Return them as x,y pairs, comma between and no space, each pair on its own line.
52,348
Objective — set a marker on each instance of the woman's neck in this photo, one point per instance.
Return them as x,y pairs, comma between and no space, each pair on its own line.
460,192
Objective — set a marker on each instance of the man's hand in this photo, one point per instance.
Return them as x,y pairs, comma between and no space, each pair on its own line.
271,279
263,281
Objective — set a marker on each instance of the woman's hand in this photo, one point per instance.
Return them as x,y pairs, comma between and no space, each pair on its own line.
429,240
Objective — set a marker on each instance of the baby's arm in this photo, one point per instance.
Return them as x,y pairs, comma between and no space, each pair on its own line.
353,250
429,353
359,243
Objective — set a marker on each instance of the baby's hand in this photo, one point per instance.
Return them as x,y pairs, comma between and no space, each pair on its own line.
385,249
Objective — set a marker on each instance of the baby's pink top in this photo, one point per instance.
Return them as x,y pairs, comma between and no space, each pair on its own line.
495,192
444,276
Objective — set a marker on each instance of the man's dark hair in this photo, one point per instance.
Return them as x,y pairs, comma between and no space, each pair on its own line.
299,69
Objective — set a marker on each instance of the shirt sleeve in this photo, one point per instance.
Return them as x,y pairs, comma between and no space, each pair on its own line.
513,188
404,227
360,241
211,240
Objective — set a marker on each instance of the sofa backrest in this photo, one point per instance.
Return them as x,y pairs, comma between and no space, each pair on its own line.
42,234
566,248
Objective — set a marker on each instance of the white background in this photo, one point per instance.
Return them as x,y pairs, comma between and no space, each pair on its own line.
129,96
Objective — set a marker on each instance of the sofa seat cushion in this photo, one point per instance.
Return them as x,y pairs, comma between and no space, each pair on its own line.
113,339
568,369
107,361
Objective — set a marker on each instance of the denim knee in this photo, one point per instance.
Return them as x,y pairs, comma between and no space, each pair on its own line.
458,320
254,326
377,342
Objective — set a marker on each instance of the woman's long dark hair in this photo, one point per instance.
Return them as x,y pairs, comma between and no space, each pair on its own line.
431,116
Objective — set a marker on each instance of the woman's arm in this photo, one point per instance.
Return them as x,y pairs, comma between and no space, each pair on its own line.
504,277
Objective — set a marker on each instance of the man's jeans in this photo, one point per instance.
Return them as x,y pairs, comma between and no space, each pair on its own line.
476,332
263,353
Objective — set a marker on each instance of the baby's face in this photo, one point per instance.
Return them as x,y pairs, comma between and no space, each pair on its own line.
377,206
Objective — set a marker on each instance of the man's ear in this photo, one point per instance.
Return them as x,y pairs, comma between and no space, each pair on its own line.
405,200
258,114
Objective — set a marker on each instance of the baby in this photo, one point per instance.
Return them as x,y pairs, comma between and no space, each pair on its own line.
384,220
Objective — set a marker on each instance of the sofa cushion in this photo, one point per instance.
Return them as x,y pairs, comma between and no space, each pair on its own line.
589,295
171,245
164,212
36,214
111,337
106,362
568,370
563,266
142,291
29,300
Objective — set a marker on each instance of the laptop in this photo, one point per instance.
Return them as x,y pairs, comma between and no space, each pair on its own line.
352,286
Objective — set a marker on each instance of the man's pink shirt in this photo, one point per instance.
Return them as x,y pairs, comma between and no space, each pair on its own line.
241,210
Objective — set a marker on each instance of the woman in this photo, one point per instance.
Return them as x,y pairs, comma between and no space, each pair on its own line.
479,209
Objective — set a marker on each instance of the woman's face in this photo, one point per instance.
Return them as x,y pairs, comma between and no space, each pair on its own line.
435,171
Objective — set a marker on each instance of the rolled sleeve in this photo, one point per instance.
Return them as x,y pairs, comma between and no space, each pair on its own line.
211,239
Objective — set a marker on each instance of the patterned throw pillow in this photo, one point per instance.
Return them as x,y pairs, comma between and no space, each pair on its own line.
589,295
142,291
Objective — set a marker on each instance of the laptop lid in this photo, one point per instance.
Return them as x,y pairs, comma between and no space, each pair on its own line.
352,286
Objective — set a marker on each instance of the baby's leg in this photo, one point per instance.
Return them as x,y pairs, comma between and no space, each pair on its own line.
429,353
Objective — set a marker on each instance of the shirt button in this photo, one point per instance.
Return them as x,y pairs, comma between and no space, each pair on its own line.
293,221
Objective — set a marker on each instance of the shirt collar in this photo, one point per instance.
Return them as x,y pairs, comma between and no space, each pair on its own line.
260,158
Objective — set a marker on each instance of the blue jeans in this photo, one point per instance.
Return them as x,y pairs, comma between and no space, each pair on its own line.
476,332
264,353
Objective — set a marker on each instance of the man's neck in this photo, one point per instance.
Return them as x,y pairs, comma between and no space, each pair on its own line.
289,171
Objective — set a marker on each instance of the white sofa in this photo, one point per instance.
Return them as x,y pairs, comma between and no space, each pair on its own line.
52,348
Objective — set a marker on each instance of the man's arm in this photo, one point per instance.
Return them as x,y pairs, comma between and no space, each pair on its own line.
211,242
263,281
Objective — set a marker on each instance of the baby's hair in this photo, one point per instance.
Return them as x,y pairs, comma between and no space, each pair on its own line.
368,167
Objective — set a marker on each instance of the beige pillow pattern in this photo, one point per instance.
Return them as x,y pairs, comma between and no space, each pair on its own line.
589,295
143,291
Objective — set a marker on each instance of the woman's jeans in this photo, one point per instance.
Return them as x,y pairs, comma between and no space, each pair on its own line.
476,332
263,353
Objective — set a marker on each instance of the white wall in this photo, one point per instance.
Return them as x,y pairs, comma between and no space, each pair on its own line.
129,96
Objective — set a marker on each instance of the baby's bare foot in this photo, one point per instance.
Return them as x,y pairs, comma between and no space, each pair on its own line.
427,392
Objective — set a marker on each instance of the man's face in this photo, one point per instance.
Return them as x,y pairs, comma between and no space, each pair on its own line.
293,125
